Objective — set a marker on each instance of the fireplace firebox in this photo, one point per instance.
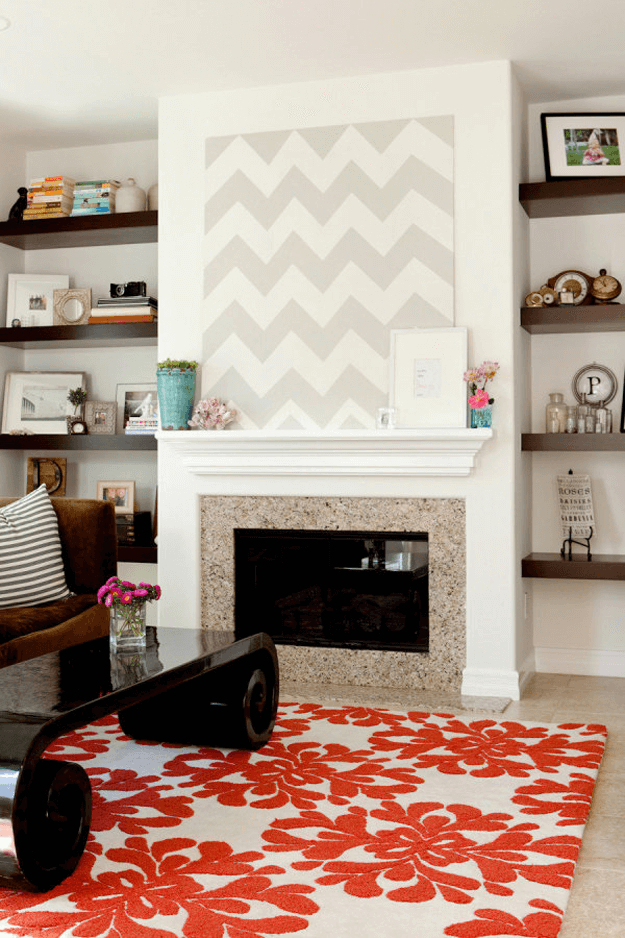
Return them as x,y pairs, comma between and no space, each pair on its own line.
346,589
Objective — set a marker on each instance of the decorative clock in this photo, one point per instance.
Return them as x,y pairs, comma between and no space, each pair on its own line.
605,288
575,282
77,426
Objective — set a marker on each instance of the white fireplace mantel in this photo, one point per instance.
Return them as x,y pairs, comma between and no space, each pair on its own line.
382,453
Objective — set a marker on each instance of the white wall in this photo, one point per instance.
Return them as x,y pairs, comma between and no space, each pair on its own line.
522,493
578,626
480,98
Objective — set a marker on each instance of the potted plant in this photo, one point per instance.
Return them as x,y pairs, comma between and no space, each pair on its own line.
175,385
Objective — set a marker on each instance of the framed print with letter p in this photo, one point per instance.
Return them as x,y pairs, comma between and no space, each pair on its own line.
427,368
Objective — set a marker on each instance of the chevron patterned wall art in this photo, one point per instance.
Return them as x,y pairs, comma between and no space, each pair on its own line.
317,243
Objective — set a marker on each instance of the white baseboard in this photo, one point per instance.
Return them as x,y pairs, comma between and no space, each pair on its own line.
485,682
526,670
593,661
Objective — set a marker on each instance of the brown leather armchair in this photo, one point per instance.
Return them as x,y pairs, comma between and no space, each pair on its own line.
89,544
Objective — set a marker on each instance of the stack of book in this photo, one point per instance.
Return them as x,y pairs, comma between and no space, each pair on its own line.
49,197
95,197
125,309
137,425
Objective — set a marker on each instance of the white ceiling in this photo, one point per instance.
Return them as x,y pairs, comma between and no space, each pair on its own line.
79,72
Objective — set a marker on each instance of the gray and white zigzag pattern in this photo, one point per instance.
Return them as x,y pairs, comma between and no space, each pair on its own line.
317,243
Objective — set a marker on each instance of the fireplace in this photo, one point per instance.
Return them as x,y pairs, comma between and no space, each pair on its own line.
397,519
334,589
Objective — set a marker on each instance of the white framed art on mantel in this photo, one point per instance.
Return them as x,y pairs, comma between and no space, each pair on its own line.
426,381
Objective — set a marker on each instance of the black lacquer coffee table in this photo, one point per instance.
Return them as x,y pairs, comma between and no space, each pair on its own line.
189,686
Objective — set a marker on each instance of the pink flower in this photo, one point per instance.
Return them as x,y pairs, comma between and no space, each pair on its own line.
139,593
479,399
108,602
102,593
126,599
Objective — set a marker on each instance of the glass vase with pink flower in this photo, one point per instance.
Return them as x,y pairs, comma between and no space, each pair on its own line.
480,401
127,603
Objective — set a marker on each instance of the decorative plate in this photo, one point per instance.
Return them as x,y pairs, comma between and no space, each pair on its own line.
597,382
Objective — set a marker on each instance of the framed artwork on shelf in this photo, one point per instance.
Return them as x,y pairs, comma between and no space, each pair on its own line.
583,145
30,298
37,401
122,494
100,416
427,368
135,400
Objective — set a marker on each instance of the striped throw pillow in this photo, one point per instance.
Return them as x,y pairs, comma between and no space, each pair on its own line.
31,564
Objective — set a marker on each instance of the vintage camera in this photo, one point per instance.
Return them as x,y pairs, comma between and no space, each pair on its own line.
132,288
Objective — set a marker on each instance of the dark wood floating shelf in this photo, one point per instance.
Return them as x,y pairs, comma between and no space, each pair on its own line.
555,567
603,196
96,441
573,442
126,554
82,231
608,317
104,334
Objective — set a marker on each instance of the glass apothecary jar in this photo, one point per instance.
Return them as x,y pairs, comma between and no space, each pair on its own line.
556,414
571,419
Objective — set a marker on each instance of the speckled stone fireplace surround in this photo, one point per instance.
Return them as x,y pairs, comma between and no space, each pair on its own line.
443,519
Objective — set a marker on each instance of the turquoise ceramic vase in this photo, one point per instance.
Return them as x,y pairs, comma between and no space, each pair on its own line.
176,394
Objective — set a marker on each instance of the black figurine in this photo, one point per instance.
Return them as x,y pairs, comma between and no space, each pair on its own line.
17,210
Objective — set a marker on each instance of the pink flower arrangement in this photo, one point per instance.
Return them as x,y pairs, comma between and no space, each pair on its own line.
130,599
125,593
212,414
477,379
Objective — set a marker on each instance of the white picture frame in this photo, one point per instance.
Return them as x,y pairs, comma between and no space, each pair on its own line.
36,401
121,494
30,298
426,377
130,397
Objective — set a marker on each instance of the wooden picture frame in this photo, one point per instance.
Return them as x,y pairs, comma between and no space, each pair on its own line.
122,494
37,402
427,367
569,144
100,416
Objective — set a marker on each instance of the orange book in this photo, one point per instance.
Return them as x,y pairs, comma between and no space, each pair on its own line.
145,318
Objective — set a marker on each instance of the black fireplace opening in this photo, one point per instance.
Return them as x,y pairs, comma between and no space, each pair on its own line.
354,589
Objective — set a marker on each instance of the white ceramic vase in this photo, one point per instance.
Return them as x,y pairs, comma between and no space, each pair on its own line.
130,197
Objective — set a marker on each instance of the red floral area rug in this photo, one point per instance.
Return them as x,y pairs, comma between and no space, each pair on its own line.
349,823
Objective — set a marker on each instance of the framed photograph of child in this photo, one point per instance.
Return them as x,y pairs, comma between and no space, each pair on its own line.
121,494
582,145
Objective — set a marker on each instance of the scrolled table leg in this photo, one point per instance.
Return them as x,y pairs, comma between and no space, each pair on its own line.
233,705
51,818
